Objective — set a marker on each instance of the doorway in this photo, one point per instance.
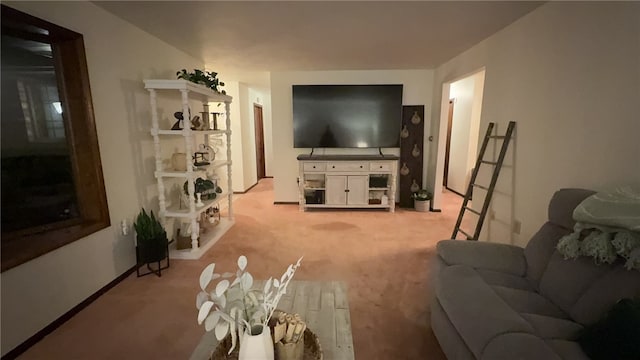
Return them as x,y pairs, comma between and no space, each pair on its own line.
259,133
461,107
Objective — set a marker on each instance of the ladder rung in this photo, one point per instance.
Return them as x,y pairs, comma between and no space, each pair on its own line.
467,235
489,162
473,211
497,137
480,187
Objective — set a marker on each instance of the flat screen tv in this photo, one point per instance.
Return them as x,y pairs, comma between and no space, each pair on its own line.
347,116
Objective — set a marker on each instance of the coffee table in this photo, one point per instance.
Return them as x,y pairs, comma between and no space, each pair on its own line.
325,308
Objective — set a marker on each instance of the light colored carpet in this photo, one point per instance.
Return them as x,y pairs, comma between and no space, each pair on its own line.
383,257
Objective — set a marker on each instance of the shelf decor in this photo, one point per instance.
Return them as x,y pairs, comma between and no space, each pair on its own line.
201,168
236,307
411,152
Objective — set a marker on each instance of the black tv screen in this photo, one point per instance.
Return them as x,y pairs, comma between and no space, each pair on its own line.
346,116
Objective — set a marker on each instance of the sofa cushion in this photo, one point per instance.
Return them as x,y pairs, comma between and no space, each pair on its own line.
616,335
503,279
484,255
562,204
540,248
474,308
524,301
564,281
603,293
548,327
521,346
567,349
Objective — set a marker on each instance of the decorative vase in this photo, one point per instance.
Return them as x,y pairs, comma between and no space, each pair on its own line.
258,346
179,161
404,133
404,170
415,119
415,152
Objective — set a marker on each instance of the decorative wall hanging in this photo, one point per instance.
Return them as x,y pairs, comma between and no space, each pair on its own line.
411,153
415,152
414,186
405,132
404,170
415,118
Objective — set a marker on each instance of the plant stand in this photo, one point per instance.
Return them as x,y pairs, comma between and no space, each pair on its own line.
151,270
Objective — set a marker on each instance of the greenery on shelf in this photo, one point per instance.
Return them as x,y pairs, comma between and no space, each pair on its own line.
206,78
421,195
205,187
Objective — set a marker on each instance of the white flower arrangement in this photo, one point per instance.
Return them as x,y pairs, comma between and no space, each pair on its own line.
234,306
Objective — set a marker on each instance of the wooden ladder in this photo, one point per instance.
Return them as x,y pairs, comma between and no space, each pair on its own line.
494,178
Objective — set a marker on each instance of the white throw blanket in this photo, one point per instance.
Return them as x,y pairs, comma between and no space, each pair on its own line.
607,226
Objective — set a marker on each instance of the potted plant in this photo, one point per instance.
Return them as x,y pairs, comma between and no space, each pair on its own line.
151,238
206,78
421,200
240,310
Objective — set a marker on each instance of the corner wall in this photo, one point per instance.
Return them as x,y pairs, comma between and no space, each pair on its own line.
568,74
417,91
119,57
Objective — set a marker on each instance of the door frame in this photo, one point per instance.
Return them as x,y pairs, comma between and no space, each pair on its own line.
447,150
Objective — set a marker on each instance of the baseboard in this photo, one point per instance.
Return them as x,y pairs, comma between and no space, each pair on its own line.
246,191
286,203
453,191
20,349
268,177
435,210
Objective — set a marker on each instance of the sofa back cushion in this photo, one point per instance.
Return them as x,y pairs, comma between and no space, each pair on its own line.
565,281
539,250
617,283
542,245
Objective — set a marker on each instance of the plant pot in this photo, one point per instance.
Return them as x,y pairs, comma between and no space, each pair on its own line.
259,346
421,205
154,250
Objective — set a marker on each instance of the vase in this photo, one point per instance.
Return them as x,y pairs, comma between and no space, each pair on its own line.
258,346
415,119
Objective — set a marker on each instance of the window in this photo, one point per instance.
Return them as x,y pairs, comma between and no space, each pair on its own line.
52,185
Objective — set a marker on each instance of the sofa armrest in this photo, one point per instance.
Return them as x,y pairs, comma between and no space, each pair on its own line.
483,255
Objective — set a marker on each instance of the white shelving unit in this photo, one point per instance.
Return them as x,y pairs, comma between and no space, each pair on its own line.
190,91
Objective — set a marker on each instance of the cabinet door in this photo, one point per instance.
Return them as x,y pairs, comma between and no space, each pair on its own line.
335,190
358,186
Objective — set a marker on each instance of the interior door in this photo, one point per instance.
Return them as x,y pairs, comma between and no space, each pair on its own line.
336,186
358,193
259,126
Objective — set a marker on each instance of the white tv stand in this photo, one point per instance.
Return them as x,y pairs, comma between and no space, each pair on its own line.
347,181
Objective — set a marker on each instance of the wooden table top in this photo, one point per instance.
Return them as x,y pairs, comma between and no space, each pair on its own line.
325,308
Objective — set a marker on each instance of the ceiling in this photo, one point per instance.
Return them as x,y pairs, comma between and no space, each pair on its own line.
316,35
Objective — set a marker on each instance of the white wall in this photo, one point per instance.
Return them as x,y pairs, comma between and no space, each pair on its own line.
237,151
119,57
569,75
417,91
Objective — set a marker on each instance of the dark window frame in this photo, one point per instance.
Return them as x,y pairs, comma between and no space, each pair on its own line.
75,95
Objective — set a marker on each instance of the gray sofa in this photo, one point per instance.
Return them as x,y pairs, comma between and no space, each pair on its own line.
495,301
